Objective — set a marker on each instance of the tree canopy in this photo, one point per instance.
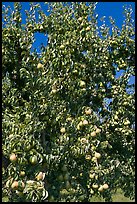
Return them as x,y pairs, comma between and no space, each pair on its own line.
67,120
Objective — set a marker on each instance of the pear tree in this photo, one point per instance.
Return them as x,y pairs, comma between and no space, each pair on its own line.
67,119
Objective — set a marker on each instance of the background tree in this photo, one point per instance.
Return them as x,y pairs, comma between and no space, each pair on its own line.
67,120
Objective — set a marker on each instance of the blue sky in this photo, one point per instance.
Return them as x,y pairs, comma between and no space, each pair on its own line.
114,9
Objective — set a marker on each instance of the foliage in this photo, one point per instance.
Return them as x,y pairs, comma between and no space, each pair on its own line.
67,120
